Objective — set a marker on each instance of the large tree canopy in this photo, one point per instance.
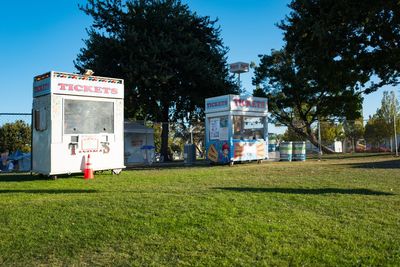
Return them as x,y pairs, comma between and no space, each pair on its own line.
335,50
171,58
346,40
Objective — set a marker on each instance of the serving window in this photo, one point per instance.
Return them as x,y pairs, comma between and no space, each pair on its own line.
88,117
248,127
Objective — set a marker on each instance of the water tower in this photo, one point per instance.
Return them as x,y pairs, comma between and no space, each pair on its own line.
238,68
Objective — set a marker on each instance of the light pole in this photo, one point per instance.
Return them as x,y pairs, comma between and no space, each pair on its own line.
238,68
319,141
394,122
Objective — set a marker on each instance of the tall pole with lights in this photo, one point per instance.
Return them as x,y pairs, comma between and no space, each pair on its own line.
238,68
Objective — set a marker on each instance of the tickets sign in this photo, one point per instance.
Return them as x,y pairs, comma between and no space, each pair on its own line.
236,103
74,84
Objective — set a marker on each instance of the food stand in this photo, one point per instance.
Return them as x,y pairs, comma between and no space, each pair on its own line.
75,116
236,128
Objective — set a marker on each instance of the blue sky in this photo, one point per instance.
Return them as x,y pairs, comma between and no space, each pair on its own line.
38,36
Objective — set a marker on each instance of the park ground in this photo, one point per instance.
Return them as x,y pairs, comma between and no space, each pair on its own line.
333,212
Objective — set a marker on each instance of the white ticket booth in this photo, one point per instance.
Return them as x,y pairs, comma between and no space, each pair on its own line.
75,116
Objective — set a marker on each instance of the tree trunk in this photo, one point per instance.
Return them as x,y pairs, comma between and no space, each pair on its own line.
314,140
164,133
308,133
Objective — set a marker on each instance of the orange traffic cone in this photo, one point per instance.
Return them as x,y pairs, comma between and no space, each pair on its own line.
88,171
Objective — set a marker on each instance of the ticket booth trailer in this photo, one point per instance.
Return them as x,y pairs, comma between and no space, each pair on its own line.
75,116
236,128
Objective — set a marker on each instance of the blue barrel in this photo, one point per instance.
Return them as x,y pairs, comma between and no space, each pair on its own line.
285,149
299,151
271,142
271,147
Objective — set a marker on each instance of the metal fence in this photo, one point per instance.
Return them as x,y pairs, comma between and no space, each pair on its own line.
15,131
13,117
143,137
15,141
179,135
344,137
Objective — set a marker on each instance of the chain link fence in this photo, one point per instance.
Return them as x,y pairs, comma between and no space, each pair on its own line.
355,136
15,141
142,134
338,137
143,139
15,131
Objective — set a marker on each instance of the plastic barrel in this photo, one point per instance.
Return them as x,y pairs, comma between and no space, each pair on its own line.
299,151
271,147
189,152
271,143
285,149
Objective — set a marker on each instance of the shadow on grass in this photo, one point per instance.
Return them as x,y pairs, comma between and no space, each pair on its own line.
178,164
305,191
20,177
26,177
388,164
47,191
347,155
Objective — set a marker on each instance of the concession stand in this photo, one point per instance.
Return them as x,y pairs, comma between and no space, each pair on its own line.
76,117
236,128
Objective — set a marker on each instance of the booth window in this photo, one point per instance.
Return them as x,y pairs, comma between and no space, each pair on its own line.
40,117
88,117
248,128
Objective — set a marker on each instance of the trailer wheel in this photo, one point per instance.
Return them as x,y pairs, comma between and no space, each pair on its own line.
116,171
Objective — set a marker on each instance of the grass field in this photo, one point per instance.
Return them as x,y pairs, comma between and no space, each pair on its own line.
336,212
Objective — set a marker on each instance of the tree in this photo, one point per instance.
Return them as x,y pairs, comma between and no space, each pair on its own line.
331,132
376,131
389,110
350,40
15,136
354,130
385,116
333,49
170,58
297,100
291,135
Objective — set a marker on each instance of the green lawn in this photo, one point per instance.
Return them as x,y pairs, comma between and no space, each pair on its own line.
334,212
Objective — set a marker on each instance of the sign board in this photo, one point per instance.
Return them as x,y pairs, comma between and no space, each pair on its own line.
75,84
219,103
249,103
236,103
